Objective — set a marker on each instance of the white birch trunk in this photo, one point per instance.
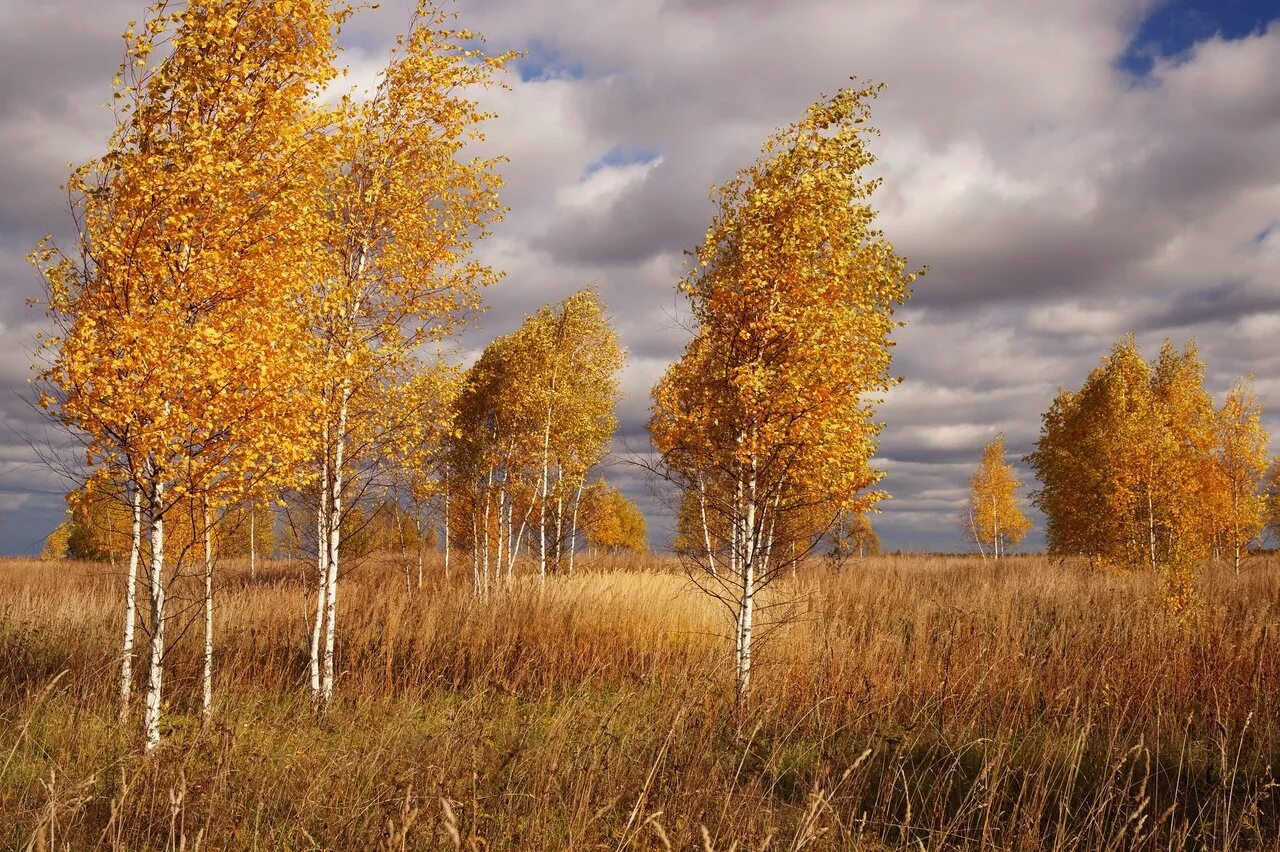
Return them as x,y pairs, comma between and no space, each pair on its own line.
475,551
130,605
573,523
322,569
995,529
488,499
747,603
558,562
976,533
206,680
706,528
502,537
542,503
335,542
446,534
155,670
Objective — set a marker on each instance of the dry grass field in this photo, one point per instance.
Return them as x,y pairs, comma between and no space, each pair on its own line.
916,703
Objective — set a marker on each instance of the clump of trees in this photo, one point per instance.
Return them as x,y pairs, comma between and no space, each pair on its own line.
534,417
613,523
1138,467
99,528
765,423
993,517
256,273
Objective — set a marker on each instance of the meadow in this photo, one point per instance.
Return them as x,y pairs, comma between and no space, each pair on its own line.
912,703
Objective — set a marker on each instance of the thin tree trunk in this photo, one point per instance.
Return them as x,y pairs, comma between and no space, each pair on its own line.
557,561
130,605
322,570
475,550
746,604
1151,527
155,671
335,543
417,529
542,503
976,533
446,534
488,500
573,523
502,514
706,529
206,680
253,542
404,551
995,530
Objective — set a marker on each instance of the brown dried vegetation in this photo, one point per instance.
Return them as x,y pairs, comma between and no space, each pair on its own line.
924,703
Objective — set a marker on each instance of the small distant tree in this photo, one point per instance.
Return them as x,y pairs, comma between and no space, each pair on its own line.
1271,499
1238,504
853,535
993,517
57,543
611,522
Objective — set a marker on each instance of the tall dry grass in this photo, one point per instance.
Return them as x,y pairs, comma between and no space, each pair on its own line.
922,703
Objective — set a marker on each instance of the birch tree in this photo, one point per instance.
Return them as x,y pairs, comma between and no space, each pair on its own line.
611,522
402,209
535,416
1133,466
178,337
768,414
1236,483
993,517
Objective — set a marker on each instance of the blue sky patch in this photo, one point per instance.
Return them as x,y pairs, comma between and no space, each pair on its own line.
542,62
620,155
1173,27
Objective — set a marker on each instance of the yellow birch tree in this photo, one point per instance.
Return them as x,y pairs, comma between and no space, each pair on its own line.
993,516
402,209
178,334
768,414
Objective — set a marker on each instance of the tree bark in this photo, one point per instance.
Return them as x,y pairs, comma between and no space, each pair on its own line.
206,679
322,569
706,528
335,543
573,523
130,605
155,670
446,533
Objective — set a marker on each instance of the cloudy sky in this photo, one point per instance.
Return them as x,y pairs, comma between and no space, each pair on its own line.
1069,171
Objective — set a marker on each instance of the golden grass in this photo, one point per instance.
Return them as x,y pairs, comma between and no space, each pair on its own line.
917,702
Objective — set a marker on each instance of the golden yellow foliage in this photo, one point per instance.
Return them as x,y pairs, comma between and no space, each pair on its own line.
993,517
611,522
768,415
1138,469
